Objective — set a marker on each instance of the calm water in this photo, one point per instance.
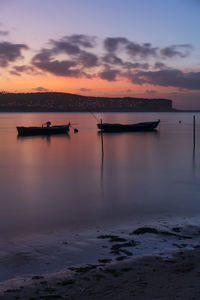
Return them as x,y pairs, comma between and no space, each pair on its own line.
55,182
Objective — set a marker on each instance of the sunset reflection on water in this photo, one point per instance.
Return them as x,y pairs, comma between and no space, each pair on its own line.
67,181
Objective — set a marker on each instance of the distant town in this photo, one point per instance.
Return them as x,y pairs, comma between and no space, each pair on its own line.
65,102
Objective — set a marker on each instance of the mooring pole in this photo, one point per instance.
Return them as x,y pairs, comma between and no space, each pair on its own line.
194,132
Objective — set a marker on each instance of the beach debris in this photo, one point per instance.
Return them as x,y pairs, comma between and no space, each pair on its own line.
176,229
49,290
47,297
112,238
120,258
85,269
99,276
112,272
37,277
66,282
12,290
143,230
126,269
43,282
105,260
125,251
131,243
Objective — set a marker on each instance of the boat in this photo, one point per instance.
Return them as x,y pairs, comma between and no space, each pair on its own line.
114,127
45,129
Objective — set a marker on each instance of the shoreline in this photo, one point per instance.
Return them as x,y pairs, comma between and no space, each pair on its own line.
149,277
157,261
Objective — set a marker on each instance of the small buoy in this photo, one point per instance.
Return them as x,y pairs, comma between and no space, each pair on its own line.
179,121
75,130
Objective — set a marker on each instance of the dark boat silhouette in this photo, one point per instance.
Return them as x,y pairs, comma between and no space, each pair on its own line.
43,130
114,127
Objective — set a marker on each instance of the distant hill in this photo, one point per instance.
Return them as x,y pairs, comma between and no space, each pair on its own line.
65,102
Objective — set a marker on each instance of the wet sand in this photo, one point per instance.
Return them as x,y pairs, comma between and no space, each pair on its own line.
149,277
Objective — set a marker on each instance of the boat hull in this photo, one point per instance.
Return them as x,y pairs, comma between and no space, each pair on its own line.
143,126
60,129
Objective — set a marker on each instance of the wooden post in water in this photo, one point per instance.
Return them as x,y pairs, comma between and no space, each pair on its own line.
194,132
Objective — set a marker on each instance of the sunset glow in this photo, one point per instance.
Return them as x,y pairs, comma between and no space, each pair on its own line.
98,49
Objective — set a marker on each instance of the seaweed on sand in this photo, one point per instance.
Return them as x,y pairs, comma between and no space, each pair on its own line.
112,238
117,247
143,230
105,260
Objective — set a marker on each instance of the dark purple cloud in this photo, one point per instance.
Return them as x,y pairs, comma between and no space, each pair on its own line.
84,90
41,89
72,44
169,77
109,74
24,69
59,68
159,65
129,60
10,52
182,50
82,40
4,33
144,50
64,46
87,59
77,60
112,44
112,59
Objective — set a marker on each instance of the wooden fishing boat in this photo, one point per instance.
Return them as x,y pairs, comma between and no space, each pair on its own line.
114,127
45,129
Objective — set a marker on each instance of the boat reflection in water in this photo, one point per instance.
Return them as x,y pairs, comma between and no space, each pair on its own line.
48,138
110,138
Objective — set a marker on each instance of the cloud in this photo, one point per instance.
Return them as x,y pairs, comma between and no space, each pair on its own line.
109,74
10,52
112,45
15,73
4,32
64,46
151,92
59,68
169,77
83,40
144,50
40,89
84,90
25,69
76,56
87,59
112,59
182,50
159,65
77,60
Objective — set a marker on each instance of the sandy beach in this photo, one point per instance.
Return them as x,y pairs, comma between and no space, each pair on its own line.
170,270
146,278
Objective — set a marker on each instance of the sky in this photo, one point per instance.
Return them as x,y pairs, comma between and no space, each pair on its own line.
112,48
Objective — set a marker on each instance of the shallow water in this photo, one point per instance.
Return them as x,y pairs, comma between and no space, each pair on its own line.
59,193
50,183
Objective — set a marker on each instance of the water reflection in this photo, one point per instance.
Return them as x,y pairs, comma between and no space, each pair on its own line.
72,180
46,138
107,139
